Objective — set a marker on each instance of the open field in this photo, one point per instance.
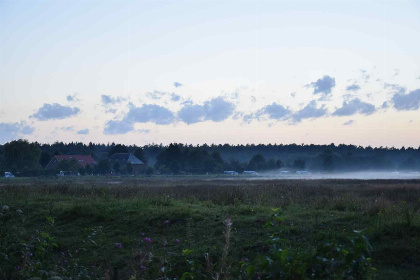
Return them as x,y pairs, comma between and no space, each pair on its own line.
85,227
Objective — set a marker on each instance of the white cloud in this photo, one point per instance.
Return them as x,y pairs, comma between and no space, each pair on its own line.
353,87
349,122
55,111
67,128
191,114
273,111
177,85
353,107
309,111
216,109
117,127
109,100
323,85
395,88
83,131
12,131
405,102
72,98
150,113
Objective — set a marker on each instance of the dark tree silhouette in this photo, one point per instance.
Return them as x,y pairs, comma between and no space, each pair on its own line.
117,149
21,154
138,153
299,164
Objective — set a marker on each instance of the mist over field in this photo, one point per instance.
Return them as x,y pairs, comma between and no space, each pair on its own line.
362,175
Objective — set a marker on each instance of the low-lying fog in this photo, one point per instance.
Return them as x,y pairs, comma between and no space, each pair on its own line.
368,175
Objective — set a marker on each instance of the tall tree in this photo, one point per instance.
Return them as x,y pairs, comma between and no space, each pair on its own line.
257,162
327,158
22,154
103,166
44,159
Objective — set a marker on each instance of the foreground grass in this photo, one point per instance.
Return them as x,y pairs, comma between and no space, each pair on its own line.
127,210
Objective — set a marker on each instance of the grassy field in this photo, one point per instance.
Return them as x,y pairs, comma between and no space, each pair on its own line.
169,228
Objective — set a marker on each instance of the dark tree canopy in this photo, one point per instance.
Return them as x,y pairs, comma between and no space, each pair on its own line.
21,154
138,153
116,167
299,164
129,168
44,159
117,149
257,162
200,159
327,157
103,167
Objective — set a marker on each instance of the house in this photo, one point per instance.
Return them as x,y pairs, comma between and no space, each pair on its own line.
82,160
124,158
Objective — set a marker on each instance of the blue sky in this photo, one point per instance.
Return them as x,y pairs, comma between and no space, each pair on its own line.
211,71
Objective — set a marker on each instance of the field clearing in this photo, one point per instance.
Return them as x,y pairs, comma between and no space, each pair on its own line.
126,210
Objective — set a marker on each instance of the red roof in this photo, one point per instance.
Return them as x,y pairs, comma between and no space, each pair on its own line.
83,160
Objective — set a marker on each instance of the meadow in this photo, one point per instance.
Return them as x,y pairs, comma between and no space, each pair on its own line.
208,228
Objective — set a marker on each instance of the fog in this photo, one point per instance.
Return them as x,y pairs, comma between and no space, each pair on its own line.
367,175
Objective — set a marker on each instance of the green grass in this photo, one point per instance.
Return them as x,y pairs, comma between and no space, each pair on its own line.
122,209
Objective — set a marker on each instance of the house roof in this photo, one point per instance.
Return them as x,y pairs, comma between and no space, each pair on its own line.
83,160
126,157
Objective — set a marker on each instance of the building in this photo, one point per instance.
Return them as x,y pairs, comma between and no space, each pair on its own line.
124,158
82,160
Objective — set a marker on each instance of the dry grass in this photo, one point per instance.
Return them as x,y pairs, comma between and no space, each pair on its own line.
339,194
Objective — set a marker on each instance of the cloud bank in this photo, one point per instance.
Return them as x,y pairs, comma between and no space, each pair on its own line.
216,109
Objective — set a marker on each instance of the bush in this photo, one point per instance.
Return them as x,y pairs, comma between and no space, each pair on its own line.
330,260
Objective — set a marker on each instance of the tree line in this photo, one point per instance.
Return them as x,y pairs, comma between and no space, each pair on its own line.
175,158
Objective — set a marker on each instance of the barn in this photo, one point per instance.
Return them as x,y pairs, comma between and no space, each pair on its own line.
124,158
82,160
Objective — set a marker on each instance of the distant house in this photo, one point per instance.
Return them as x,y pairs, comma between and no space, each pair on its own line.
82,160
124,158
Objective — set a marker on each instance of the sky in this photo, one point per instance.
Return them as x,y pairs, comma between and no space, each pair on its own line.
142,72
